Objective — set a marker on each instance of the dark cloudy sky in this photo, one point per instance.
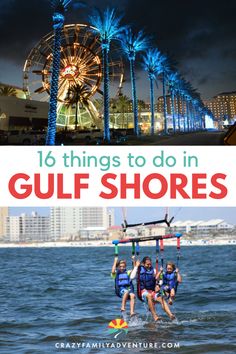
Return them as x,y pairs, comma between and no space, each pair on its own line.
199,35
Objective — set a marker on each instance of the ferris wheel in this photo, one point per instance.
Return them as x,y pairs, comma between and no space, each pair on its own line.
80,75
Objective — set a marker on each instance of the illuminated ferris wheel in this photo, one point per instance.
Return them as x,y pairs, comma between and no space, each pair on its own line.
80,73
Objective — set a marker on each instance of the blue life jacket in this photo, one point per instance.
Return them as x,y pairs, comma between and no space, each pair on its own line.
122,280
147,278
170,280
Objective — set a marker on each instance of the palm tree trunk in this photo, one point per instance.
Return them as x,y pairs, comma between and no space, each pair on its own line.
203,122
134,97
152,105
164,103
179,125
187,108
192,118
173,110
105,49
76,113
52,114
183,113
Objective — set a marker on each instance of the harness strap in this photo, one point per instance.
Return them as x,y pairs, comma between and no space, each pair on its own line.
157,252
178,251
137,249
138,285
162,252
133,249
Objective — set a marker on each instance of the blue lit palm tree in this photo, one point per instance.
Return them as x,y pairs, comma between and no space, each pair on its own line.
165,70
173,79
59,9
195,105
178,84
184,92
181,92
151,63
187,94
202,112
108,26
196,109
191,114
132,44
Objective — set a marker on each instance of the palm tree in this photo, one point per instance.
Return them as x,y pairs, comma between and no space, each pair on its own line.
122,105
132,44
181,91
59,9
185,86
7,91
191,92
165,70
178,105
195,104
108,26
78,94
151,63
173,79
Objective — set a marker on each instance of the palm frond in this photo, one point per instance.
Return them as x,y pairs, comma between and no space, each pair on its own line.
165,65
173,78
133,43
107,23
60,5
151,61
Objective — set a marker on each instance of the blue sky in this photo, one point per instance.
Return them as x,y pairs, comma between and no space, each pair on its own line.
154,213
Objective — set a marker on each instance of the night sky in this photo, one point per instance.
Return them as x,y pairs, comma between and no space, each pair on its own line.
199,35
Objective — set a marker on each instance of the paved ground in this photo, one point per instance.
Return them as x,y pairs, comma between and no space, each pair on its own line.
198,138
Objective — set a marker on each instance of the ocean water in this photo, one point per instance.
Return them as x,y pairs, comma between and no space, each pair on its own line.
55,297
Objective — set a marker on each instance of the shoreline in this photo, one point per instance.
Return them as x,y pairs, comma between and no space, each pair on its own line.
81,244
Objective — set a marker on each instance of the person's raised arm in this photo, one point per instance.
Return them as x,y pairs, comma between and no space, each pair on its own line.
159,274
133,274
179,277
113,269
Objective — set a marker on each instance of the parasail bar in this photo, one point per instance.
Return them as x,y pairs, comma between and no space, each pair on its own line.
149,238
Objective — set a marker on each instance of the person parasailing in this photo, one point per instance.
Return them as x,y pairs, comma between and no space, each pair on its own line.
171,277
123,283
148,291
168,281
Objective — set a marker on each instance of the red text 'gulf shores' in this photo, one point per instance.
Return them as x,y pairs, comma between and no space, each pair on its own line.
117,186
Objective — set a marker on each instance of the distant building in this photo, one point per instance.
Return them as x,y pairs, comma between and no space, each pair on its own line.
201,226
110,218
26,228
178,105
223,106
67,222
22,114
3,216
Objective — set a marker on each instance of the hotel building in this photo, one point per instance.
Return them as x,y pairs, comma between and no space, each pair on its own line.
3,216
26,228
66,222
